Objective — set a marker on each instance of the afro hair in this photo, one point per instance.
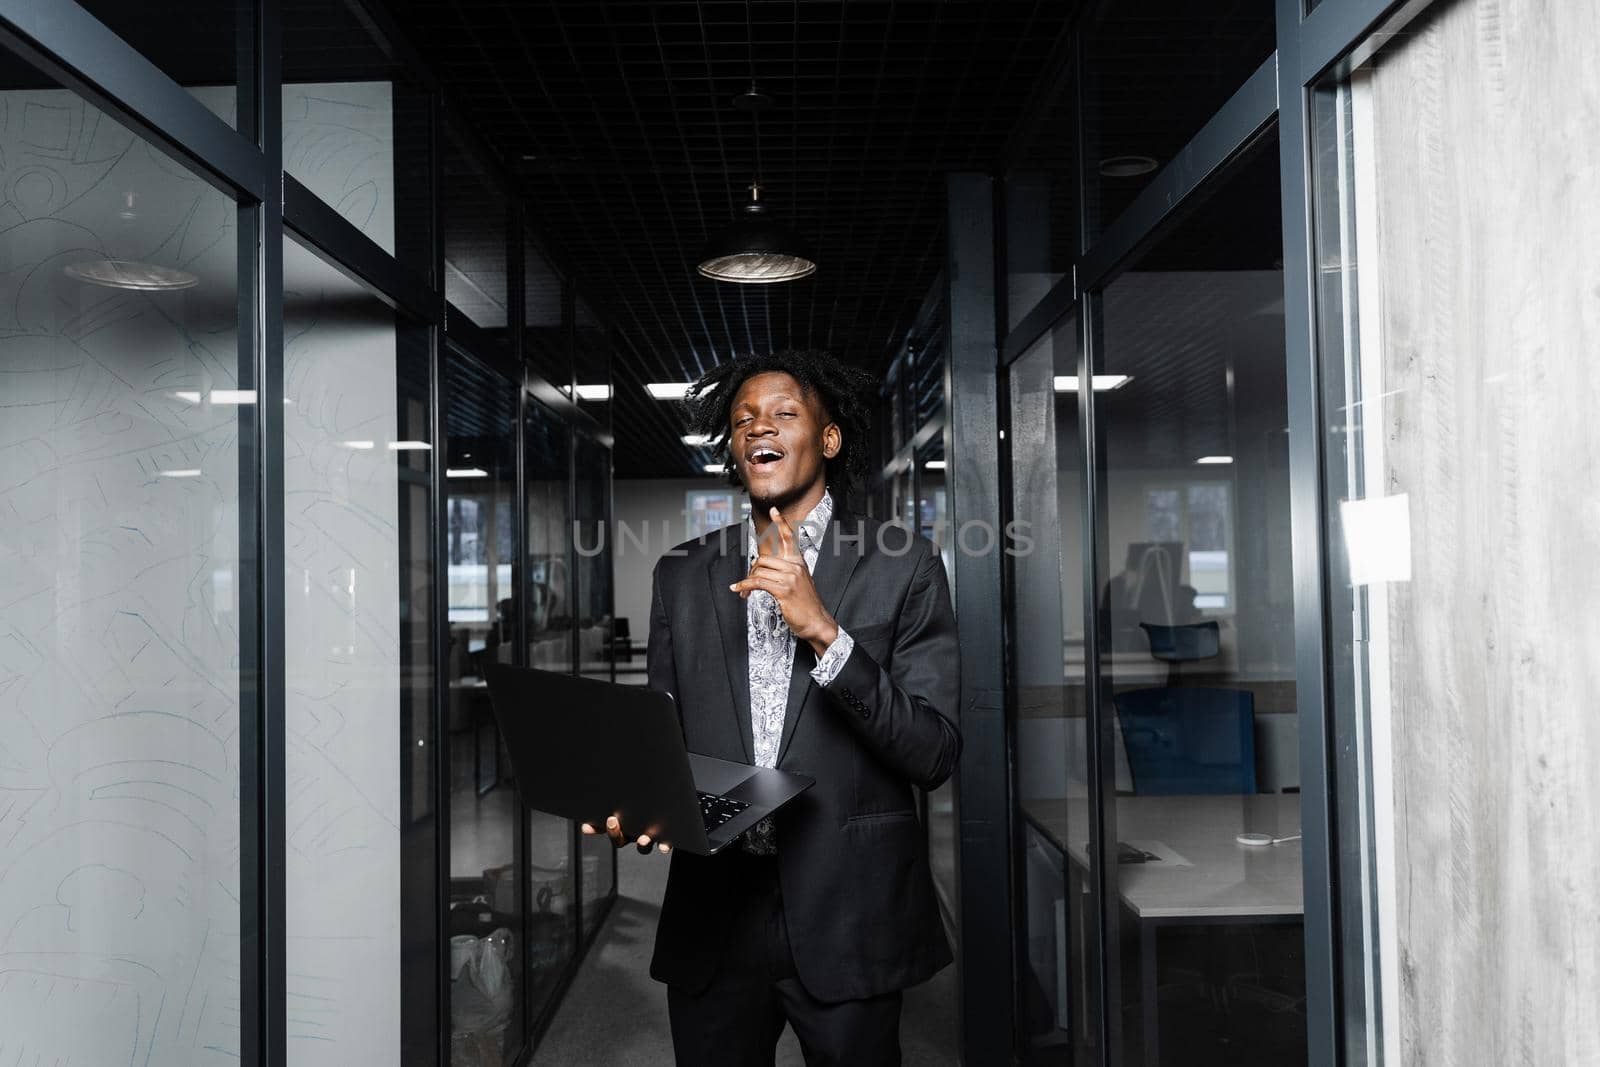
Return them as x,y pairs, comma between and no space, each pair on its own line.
844,392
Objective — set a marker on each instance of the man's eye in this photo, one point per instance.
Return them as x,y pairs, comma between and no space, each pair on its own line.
786,414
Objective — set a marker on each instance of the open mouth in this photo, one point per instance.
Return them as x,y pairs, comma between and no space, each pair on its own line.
762,456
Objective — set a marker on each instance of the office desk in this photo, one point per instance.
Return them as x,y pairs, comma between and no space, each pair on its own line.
1226,882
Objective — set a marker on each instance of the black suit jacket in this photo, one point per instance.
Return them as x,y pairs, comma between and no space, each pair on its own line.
852,856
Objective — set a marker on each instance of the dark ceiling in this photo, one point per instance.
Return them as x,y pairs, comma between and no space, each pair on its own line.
618,120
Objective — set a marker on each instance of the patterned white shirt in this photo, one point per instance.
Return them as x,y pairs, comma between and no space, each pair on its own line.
771,648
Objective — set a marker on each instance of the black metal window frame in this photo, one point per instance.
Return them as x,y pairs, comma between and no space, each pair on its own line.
68,44
1331,38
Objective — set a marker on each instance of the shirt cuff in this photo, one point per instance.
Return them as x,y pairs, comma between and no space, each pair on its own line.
832,661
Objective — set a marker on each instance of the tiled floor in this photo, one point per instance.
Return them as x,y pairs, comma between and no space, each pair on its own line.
614,1015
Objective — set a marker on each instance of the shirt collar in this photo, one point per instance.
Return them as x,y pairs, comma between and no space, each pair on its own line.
810,531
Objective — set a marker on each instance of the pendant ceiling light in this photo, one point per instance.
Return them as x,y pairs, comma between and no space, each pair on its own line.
756,249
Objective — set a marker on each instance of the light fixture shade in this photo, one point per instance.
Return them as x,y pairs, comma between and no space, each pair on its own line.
127,274
756,249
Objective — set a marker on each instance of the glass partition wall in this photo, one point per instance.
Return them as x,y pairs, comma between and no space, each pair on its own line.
261,537
127,582
1154,711
1050,723
1165,717
1194,598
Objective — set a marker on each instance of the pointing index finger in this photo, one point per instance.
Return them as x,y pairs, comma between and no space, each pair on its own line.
785,535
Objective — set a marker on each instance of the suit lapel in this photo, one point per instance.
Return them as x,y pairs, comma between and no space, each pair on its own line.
732,623
836,561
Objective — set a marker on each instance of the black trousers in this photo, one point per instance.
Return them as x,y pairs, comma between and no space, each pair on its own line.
737,1020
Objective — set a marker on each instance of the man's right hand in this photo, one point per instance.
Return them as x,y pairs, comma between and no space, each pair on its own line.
614,831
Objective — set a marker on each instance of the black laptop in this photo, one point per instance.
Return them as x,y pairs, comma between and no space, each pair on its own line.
585,749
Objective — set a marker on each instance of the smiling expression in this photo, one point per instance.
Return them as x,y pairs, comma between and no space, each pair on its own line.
780,439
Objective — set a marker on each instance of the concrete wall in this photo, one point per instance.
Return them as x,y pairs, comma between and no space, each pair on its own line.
1482,140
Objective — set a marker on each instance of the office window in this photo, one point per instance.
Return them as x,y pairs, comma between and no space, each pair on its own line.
1455,207
486,919
1155,71
356,128
1197,515
706,510
1058,994
123,397
1197,673
359,781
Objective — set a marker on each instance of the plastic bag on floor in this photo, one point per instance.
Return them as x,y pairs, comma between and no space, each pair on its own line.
482,995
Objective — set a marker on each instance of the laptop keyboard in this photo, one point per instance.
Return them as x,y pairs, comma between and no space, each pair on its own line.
717,810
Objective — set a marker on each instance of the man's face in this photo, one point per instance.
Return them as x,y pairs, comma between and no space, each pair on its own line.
780,438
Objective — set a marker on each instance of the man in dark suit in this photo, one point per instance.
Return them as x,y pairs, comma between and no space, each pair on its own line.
821,642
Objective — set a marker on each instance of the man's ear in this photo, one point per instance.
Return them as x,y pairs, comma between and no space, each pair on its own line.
832,440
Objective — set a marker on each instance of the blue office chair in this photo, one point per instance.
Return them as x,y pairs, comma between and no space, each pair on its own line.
1189,741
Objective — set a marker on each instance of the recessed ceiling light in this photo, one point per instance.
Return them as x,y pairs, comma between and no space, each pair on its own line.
189,473
409,446
127,274
1126,166
714,468
359,446
594,392
668,390
697,440
933,465
190,396
466,472
233,396
1103,383
1217,460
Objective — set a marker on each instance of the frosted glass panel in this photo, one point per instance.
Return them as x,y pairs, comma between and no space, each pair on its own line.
120,407
358,763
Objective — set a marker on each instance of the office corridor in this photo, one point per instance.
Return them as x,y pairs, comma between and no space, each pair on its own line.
614,1015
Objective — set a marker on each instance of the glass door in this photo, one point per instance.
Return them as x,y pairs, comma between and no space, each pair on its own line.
1194,595
486,900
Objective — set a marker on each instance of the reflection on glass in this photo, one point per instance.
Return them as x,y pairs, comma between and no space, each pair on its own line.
476,223
357,608
1197,660
932,520
592,492
1155,71
486,921
355,128
1058,1002
549,590
121,588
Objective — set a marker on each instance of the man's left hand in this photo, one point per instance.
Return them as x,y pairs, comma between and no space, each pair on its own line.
783,573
